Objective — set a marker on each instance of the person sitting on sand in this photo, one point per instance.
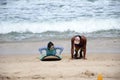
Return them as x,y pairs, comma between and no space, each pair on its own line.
51,50
78,45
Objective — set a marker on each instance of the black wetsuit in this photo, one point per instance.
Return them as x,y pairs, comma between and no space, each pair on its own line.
78,45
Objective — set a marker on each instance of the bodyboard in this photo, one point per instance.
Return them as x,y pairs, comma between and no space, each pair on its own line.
51,57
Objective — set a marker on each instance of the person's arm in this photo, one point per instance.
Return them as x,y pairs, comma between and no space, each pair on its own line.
84,47
41,49
72,47
59,48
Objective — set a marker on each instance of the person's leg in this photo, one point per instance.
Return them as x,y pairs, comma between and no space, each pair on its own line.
80,54
76,54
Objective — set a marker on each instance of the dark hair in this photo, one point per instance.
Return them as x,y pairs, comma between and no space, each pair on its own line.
78,36
49,45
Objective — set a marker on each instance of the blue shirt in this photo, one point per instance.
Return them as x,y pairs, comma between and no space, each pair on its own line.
51,52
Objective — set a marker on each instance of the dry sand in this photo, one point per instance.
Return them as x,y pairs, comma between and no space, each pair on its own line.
103,57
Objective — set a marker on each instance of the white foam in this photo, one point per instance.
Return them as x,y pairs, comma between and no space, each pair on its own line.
86,25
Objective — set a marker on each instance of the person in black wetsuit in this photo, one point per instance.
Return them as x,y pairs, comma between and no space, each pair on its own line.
78,46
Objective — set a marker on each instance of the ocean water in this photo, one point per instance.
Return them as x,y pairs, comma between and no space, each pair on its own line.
26,19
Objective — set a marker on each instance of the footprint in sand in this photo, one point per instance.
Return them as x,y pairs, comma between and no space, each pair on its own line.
88,73
37,77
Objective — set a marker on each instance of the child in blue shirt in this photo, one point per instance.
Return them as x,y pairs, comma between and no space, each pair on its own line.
51,50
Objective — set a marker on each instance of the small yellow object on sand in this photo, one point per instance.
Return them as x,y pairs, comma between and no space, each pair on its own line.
100,77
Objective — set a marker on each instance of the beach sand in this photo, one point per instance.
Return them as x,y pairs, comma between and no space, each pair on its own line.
20,61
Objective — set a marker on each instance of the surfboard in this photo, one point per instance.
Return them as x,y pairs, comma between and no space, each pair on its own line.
51,57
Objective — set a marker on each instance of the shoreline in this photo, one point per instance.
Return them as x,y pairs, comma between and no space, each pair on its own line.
94,45
61,39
